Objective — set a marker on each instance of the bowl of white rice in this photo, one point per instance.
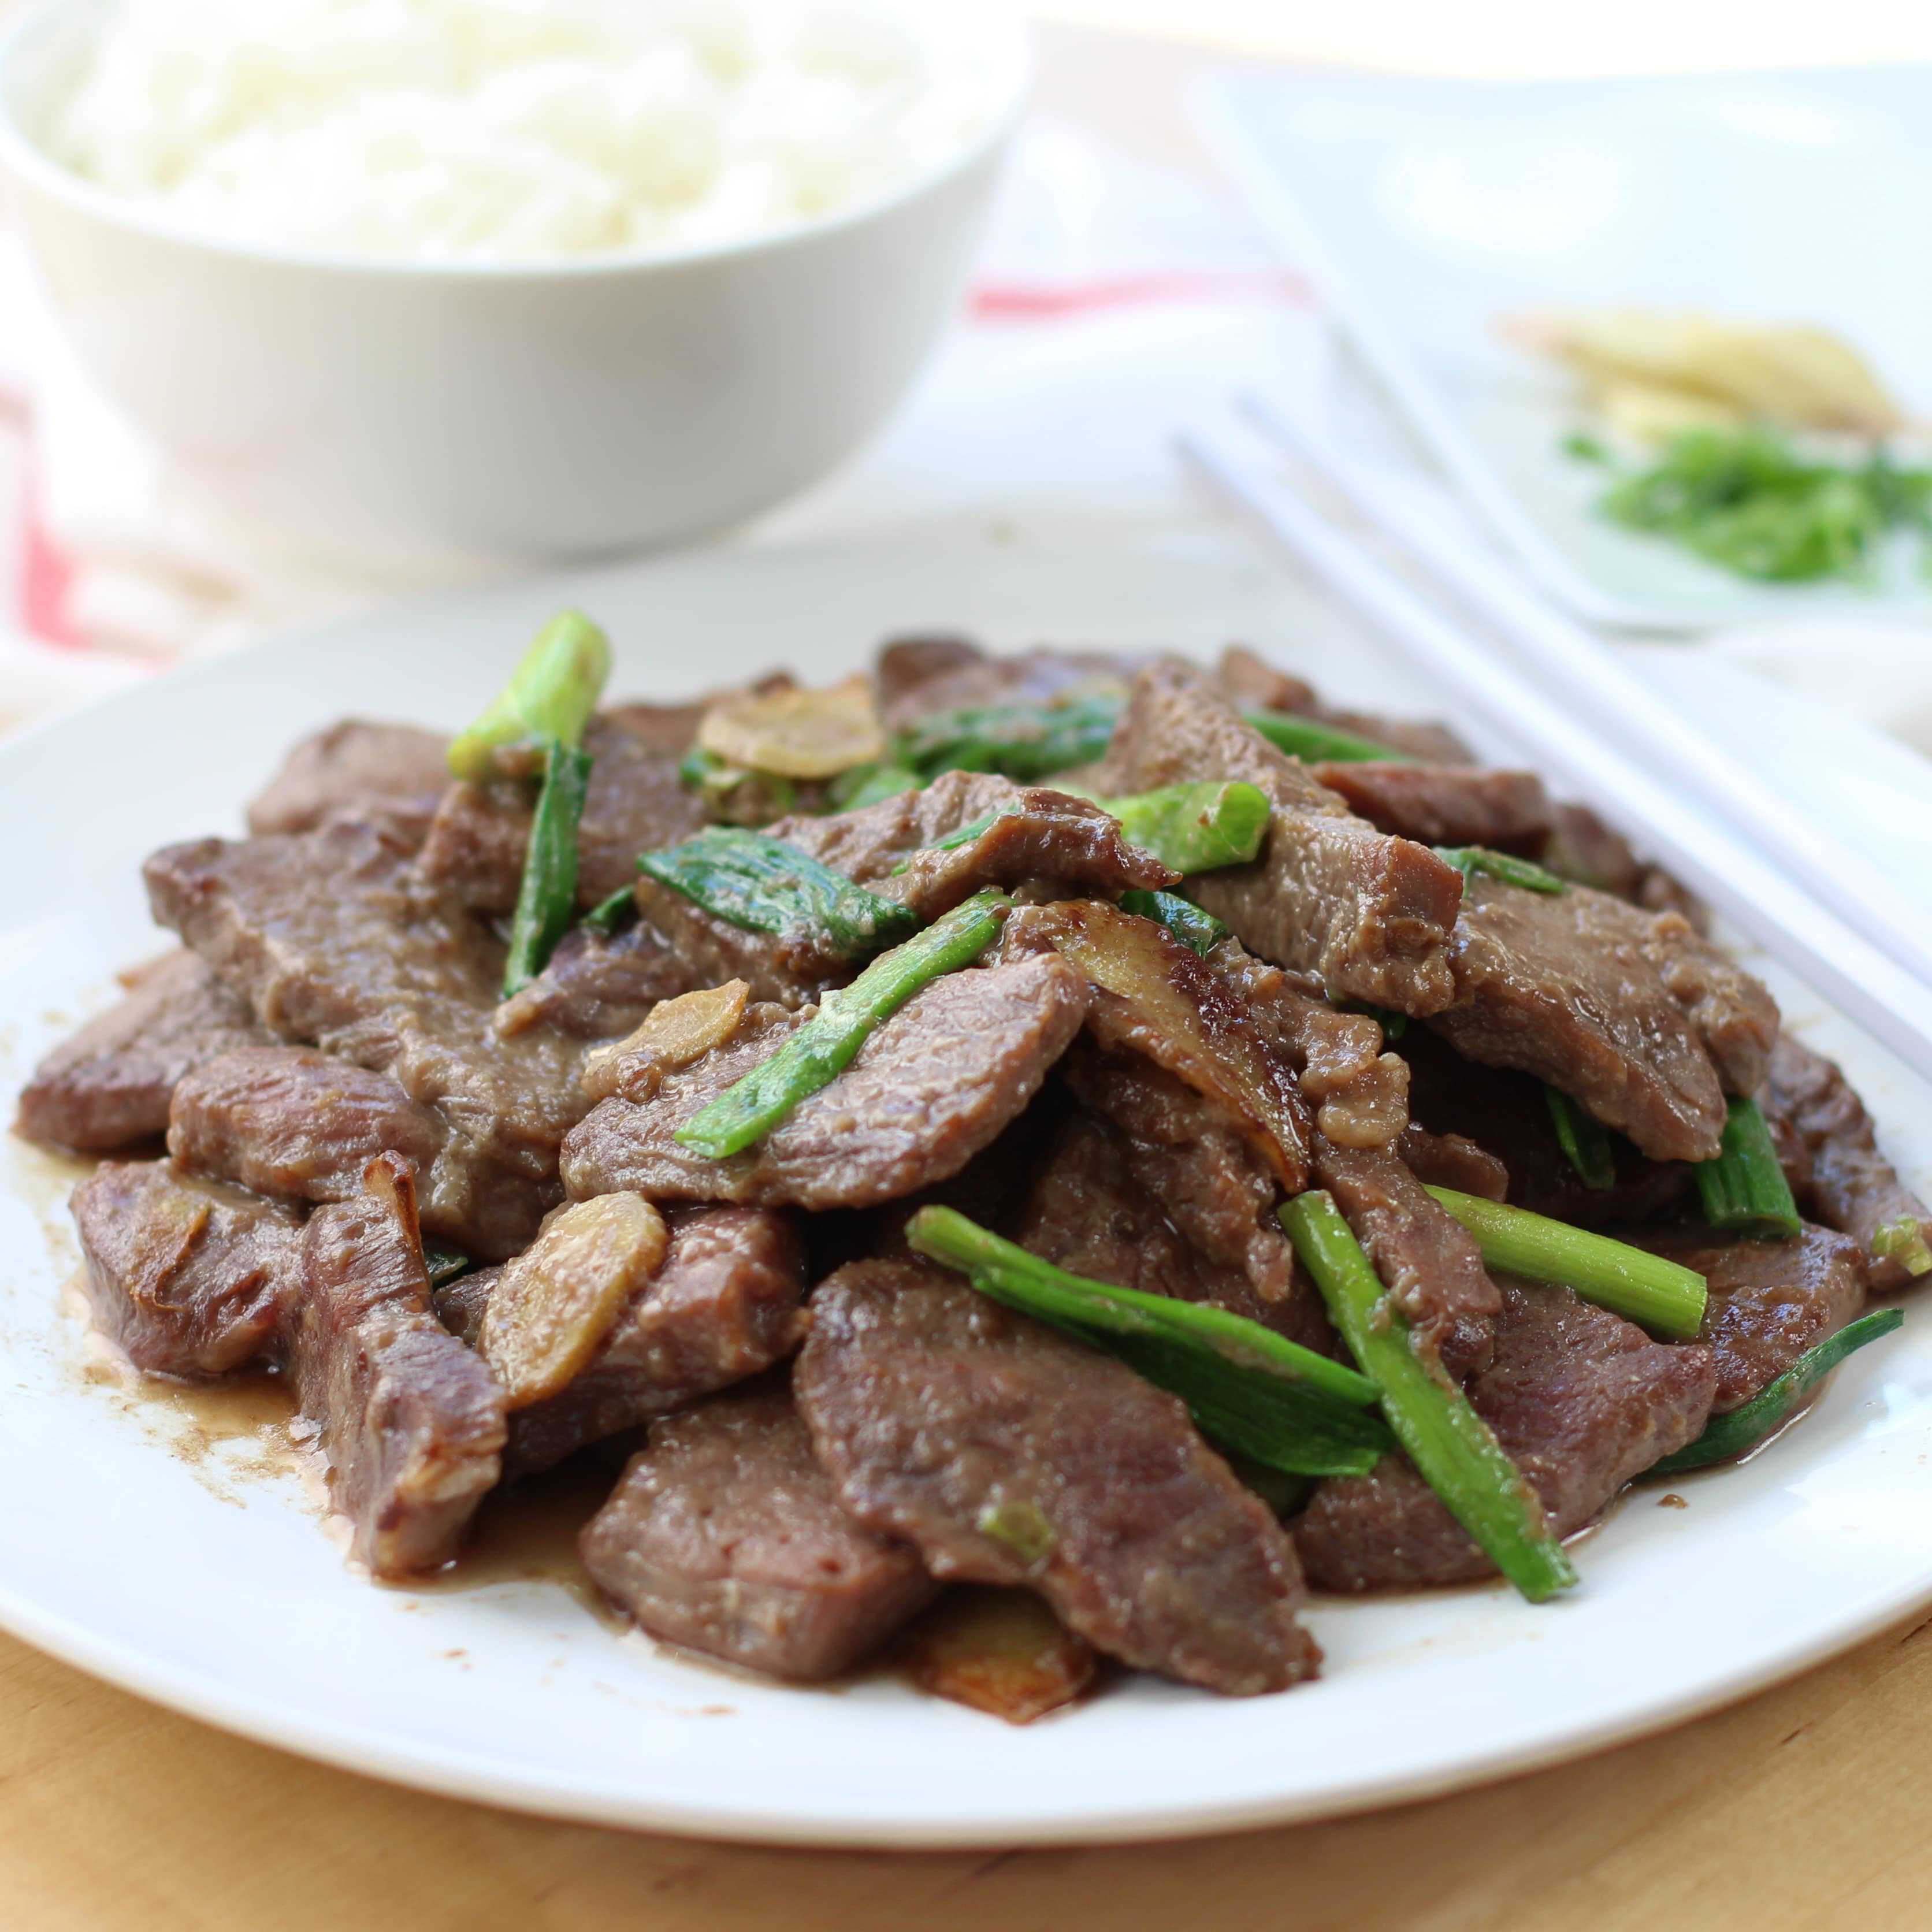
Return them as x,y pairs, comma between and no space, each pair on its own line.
513,278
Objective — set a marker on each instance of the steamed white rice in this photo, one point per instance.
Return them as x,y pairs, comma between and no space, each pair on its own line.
512,129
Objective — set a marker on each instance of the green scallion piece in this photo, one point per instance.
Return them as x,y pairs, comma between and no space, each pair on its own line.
1195,828
1743,1190
1316,743
821,1049
1585,1140
765,886
1726,1436
1453,1447
548,699
1903,1241
1027,742
1644,1288
1471,859
1276,1403
547,895
444,1264
1199,931
611,915
544,707
867,785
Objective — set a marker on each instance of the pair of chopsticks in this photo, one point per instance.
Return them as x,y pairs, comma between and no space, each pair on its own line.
1810,903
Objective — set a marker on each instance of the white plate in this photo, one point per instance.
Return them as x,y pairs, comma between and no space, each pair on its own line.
209,1588
1427,209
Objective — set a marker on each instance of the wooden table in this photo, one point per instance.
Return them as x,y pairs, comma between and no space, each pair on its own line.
1801,1809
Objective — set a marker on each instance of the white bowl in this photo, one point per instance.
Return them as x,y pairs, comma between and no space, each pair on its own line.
535,410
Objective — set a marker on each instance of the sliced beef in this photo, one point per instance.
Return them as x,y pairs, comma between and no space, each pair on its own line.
108,1086
1582,848
635,802
1445,804
727,1301
337,944
790,969
410,1421
1006,1453
350,766
597,985
919,677
1360,1092
1831,1155
1582,1399
1088,1212
1255,685
1769,1302
1430,1261
1629,1012
1506,1116
1452,1160
190,1277
1064,846
289,1121
1371,915
930,1087
1192,1167
724,1536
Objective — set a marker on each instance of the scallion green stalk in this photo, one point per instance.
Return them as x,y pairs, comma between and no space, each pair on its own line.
1316,743
1454,1448
1276,1402
547,894
1471,859
1195,828
1585,1140
764,885
1644,1288
1744,1427
1199,931
1743,1190
827,1044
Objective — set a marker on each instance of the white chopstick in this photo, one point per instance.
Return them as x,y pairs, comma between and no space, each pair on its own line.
1575,665
1761,902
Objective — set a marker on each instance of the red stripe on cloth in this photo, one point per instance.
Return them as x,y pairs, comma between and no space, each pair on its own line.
1048,301
46,582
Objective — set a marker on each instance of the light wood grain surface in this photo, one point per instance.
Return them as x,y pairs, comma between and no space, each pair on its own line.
1806,1807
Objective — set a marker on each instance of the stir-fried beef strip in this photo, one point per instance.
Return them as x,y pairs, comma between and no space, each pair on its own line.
635,803
1506,1116
289,1121
919,677
1768,1301
597,985
1430,1262
1445,804
1373,915
1256,685
724,1536
1089,1212
411,1421
1831,1158
1006,1453
935,1085
1452,1160
1582,848
1583,1400
726,1303
108,1086
1359,1090
1192,1166
190,1277
1629,1012
349,766
1063,846
337,944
